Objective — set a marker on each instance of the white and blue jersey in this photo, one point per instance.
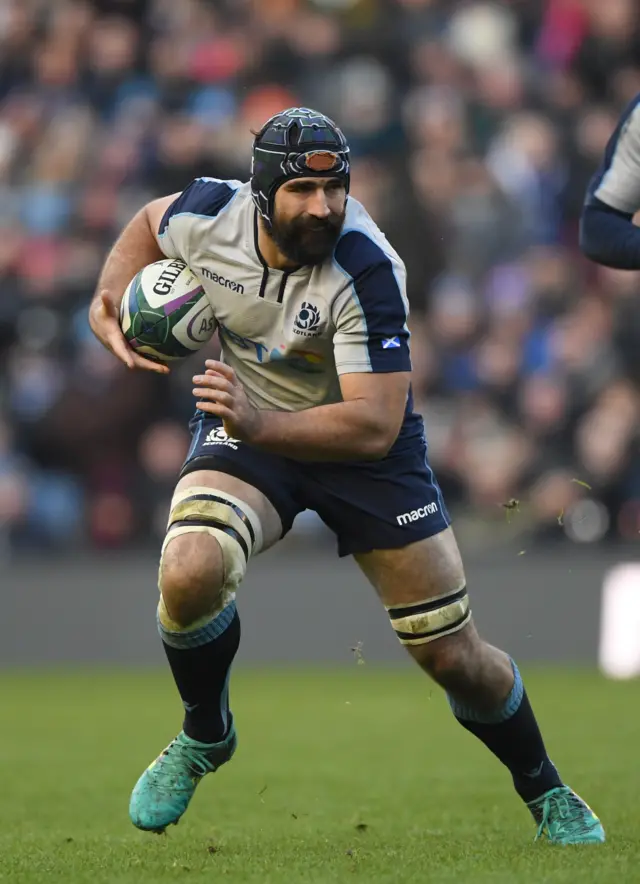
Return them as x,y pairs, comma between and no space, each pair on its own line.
617,181
607,233
289,335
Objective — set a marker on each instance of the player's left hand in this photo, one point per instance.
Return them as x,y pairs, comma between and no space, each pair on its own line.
219,392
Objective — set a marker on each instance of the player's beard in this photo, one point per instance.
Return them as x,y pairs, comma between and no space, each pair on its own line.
306,240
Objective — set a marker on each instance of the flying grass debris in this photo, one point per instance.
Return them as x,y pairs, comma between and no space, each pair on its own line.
511,506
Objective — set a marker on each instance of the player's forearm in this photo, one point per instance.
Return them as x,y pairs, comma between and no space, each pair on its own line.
342,431
134,249
609,237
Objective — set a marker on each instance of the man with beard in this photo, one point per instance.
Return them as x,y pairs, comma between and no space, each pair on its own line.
311,408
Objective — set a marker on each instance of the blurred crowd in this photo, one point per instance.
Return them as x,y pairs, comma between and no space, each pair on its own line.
474,126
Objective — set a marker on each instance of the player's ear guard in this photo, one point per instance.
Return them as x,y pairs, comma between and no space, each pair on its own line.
233,523
425,621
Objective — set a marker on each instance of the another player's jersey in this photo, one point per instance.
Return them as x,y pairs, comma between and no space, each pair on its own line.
290,334
617,182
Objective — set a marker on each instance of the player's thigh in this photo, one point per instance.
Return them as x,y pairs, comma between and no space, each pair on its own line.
419,571
422,586
391,516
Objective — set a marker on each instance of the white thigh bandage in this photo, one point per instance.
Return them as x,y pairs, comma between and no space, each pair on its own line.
430,619
233,523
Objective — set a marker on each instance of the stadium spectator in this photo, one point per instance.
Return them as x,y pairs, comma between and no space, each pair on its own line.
475,128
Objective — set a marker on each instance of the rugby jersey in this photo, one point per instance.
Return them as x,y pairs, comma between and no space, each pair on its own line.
290,334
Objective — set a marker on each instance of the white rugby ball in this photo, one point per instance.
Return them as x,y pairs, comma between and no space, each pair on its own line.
165,313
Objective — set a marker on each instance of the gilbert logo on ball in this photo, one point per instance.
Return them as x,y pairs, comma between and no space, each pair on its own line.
167,278
165,313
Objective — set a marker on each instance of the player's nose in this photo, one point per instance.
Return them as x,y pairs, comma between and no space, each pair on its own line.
318,205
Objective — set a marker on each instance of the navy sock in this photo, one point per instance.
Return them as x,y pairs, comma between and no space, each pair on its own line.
201,662
513,735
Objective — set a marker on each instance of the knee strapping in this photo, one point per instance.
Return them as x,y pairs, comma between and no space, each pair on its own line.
426,621
235,526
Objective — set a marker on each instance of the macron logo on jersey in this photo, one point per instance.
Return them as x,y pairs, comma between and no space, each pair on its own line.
429,510
390,343
222,280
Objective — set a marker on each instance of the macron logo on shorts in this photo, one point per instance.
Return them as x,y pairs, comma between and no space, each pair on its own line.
429,510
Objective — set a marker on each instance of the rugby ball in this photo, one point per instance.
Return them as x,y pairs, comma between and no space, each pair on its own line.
165,314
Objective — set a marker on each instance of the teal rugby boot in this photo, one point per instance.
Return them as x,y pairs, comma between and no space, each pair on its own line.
565,818
163,792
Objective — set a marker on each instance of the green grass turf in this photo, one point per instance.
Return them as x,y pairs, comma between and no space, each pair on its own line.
352,775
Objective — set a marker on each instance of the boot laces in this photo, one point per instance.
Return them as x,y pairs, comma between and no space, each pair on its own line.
179,755
567,811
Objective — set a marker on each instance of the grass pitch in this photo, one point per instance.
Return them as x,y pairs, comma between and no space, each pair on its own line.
352,775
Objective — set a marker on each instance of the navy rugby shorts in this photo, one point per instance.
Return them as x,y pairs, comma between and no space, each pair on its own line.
382,504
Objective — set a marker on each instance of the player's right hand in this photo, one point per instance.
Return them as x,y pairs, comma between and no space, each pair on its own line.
104,322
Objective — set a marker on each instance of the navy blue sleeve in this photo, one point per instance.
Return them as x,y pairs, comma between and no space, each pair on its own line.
372,327
609,237
204,197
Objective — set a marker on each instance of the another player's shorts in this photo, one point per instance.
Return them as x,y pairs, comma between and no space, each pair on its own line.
382,504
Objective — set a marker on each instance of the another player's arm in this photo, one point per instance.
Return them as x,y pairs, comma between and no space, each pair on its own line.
607,233
136,247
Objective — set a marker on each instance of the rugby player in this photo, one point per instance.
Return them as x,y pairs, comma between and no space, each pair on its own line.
607,233
311,407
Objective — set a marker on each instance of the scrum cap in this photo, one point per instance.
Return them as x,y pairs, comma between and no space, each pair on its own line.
297,143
